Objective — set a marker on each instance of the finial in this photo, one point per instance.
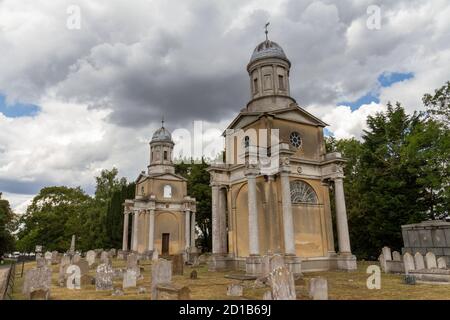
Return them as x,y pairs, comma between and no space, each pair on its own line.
267,31
162,121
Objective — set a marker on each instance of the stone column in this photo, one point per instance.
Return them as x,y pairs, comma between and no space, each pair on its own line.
187,229
341,217
151,231
288,221
193,231
215,220
253,230
223,220
126,216
135,230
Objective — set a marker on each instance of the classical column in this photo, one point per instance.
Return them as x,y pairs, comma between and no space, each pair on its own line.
135,230
223,220
187,229
288,221
126,215
215,219
192,230
253,229
151,231
341,217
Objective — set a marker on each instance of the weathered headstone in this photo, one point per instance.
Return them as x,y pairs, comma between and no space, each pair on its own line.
418,261
177,264
40,262
193,274
161,273
396,256
387,253
281,281
112,253
90,257
121,255
195,262
104,277
235,290
265,265
129,279
318,289
267,295
430,260
83,265
382,262
408,262
55,257
73,277
155,255
168,291
65,262
37,279
276,262
104,258
48,256
133,263
441,263
76,257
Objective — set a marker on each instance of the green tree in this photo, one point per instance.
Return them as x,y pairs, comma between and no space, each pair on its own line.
7,219
438,104
198,187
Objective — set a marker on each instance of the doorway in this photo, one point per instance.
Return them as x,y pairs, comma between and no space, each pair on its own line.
165,244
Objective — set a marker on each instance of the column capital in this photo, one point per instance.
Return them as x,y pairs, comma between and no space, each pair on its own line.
251,172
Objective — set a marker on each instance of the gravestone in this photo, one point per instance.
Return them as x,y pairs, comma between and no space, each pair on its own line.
83,265
76,257
265,265
73,277
409,279
276,262
117,292
90,257
129,279
267,295
195,262
72,245
193,275
161,273
382,262
48,256
37,279
104,277
168,291
65,262
396,256
387,253
177,264
55,257
441,263
281,281
318,289
40,262
155,255
121,255
408,262
235,290
418,261
142,290
104,258
112,253
133,263
430,260
87,280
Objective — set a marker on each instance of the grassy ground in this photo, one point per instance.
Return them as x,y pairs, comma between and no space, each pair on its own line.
213,285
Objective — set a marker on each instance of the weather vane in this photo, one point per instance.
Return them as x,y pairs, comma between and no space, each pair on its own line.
162,121
267,31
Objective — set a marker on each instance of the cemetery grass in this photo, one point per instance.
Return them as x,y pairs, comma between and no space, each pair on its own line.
213,286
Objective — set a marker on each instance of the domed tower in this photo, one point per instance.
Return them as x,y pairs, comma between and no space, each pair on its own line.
161,148
269,78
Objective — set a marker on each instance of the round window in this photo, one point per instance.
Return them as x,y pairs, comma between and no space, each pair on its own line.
295,139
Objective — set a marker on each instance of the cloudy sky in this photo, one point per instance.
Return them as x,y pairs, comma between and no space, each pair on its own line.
76,100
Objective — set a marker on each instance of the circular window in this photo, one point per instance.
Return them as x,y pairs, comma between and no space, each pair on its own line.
295,139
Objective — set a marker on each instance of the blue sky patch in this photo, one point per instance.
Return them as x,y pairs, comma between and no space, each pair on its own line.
386,79
17,110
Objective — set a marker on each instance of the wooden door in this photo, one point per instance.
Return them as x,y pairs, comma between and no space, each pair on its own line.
165,243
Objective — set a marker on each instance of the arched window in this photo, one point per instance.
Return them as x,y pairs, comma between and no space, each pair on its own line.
301,192
167,191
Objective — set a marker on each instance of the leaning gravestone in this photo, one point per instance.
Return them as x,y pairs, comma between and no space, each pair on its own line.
396,256
37,279
282,283
430,260
441,263
235,290
73,277
418,261
161,274
318,289
408,262
129,279
104,277
177,264
90,257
